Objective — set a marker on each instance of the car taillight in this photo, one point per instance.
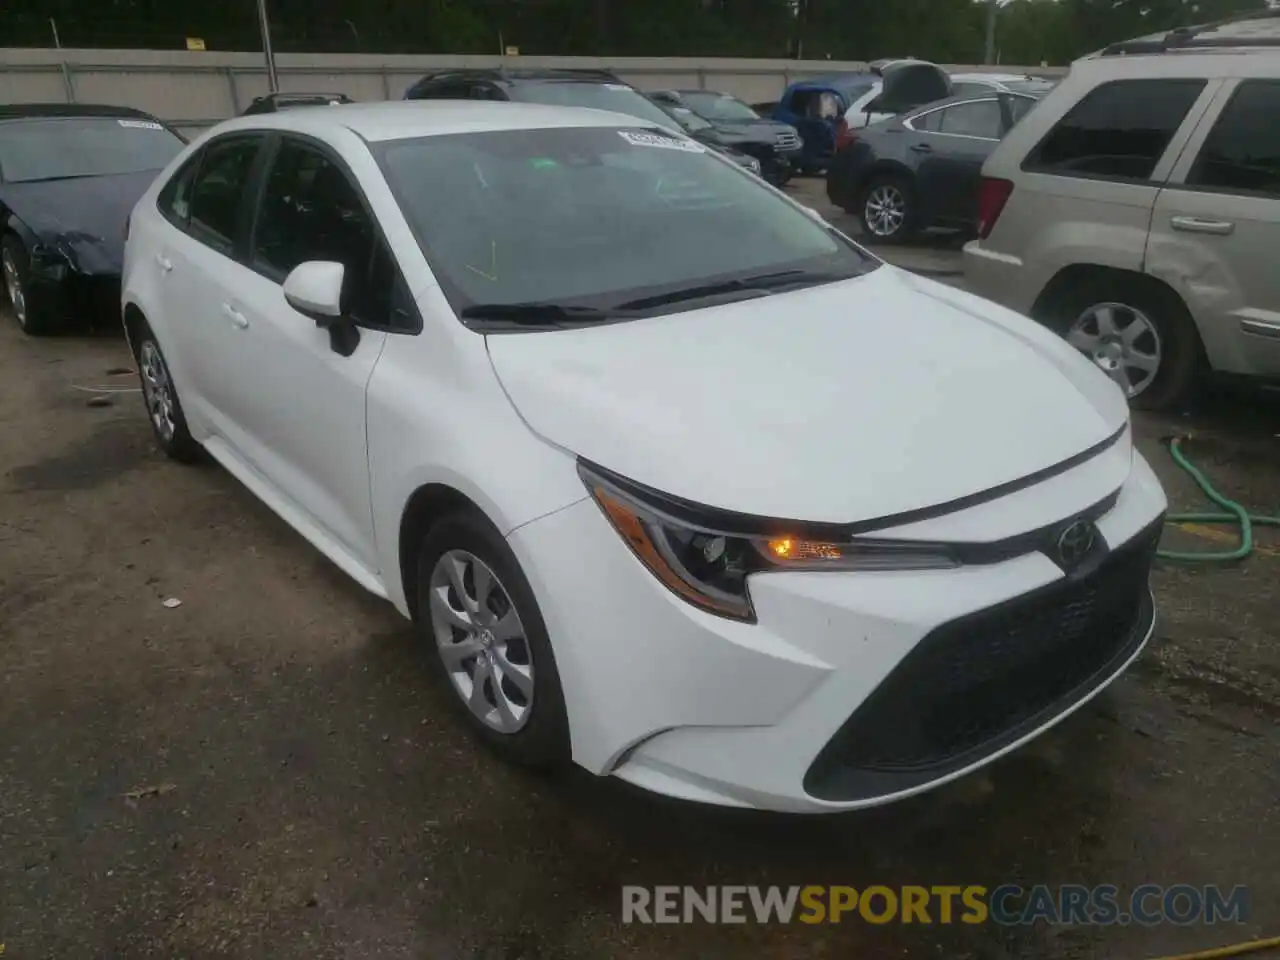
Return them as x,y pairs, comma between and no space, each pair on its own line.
993,194
844,134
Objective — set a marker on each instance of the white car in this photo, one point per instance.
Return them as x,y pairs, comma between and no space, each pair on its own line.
675,479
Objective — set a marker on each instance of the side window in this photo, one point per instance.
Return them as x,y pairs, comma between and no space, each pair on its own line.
1019,107
969,89
1120,130
980,118
174,201
312,211
217,193
1242,151
928,122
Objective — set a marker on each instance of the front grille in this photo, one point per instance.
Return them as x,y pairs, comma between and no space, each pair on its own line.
978,683
788,141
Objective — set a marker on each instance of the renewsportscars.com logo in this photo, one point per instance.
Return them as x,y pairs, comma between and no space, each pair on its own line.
1008,905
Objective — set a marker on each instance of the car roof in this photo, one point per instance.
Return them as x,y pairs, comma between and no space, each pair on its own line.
1259,29
28,111
1183,63
999,77
408,119
960,98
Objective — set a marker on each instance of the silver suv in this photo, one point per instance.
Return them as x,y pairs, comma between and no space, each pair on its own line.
1137,210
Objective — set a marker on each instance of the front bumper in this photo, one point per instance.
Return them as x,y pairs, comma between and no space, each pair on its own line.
851,690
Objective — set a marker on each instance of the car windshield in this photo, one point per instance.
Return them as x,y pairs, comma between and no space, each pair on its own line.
617,97
599,218
688,119
63,147
719,106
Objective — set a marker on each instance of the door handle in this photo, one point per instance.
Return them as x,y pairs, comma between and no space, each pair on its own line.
1219,228
163,262
236,317
921,148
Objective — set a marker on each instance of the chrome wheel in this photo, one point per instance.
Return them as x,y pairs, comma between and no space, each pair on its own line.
1123,341
157,390
13,286
481,641
885,210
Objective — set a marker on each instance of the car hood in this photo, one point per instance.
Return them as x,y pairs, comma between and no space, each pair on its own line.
82,218
851,401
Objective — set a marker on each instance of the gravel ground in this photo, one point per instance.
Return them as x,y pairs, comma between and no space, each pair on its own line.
264,770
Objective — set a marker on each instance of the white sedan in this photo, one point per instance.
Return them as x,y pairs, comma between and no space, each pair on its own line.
674,479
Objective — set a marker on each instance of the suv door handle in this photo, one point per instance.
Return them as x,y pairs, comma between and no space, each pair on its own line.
921,148
1195,225
163,262
236,317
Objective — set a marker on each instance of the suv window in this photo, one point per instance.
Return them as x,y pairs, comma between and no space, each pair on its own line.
1242,152
981,118
1119,130
174,200
217,194
312,211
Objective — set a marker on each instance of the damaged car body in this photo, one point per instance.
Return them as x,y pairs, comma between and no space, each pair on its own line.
69,176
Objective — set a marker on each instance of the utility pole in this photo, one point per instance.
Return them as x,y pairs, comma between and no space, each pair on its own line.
272,80
993,8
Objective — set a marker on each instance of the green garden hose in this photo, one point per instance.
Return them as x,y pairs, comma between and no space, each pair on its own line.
1234,514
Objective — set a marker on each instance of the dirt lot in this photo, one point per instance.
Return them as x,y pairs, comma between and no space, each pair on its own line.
264,771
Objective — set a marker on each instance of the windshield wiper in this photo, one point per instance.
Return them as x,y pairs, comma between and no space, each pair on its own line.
764,282
537,314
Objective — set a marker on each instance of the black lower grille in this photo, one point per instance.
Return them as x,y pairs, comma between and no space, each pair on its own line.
978,683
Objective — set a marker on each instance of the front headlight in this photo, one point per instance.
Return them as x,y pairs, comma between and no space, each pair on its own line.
708,563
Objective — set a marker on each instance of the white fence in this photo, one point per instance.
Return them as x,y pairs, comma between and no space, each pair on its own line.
193,90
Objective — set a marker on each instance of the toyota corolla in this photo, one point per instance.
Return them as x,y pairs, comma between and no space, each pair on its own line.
675,480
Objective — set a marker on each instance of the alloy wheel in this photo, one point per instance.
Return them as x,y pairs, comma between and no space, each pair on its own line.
157,390
13,286
482,641
1123,341
885,210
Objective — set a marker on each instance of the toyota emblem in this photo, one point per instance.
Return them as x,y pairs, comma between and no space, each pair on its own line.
1075,543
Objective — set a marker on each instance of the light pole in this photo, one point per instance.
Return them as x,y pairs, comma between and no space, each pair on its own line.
272,81
993,7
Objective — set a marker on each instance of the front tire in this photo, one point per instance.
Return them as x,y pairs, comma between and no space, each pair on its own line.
490,645
164,409
887,209
1137,332
32,314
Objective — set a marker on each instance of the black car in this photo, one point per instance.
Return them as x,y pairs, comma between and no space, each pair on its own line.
69,177
598,89
922,168
705,133
275,102
776,145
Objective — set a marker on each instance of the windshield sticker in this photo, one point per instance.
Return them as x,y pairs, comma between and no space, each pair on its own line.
140,124
637,139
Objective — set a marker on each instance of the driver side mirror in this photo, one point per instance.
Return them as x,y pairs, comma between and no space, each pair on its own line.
314,289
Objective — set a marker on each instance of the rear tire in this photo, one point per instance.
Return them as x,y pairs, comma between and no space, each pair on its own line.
34,316
1127,325
887,209
160,394
489,645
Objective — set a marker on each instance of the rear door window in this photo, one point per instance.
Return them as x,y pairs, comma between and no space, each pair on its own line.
1242,151
217,205
1119,131
979,118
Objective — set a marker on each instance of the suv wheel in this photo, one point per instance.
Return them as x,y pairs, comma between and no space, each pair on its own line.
1137,333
